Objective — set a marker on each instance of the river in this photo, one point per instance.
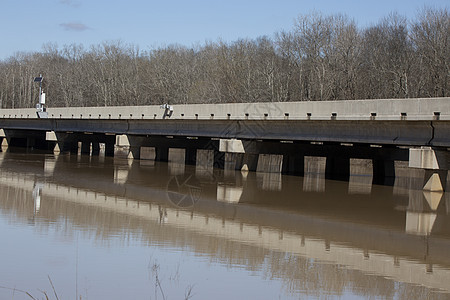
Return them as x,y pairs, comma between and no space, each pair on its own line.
95,227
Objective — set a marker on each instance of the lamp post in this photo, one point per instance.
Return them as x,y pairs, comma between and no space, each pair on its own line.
39,79
40,107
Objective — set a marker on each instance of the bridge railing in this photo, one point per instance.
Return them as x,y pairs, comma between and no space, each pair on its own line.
379,109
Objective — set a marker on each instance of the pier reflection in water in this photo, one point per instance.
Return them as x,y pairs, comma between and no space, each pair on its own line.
112,229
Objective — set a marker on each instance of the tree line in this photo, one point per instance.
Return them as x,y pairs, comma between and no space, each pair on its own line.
323,57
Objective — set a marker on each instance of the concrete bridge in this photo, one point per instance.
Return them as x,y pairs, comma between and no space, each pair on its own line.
265,137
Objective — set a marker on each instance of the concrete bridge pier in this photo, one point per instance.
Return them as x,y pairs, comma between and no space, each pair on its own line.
85,143
4,141
204,159
28,139
17,138
62,142
133,147
270,163
191,151
147,153
281,157
436,164
241,161
4,144
247,156
122,146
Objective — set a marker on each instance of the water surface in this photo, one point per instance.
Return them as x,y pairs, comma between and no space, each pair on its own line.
98,228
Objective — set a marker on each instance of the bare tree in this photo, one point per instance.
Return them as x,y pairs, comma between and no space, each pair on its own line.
431,36
320,58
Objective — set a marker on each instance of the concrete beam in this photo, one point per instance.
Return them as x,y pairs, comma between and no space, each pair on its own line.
391,132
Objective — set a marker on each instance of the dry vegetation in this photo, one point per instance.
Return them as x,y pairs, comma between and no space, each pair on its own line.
320,58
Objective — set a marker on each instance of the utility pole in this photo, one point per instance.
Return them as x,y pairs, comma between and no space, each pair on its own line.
40,107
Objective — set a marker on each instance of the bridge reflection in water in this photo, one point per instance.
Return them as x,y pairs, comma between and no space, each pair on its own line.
315,235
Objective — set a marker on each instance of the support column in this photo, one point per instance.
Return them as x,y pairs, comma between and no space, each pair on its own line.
122,146
128,146
233,153
436,165
62,142
135,152
177,156
242,158
241,161
232,160
4,144
314,177
249,162
148,153
270,163
205,159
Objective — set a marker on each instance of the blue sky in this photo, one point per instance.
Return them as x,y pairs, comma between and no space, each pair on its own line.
26,25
